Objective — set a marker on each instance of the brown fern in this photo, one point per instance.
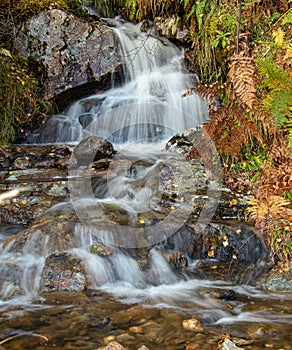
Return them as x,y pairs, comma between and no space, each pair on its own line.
269,210
272,216
265,209
242,76
229,126
278,172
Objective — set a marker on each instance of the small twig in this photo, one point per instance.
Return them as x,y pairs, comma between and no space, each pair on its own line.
11,194
23,335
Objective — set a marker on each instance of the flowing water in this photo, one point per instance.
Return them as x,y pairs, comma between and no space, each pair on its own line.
128,299
148,106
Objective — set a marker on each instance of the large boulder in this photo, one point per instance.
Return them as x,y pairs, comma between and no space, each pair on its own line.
93,148
63,272
73,54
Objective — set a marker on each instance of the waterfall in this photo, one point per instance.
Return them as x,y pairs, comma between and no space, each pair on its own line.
149,105
136,232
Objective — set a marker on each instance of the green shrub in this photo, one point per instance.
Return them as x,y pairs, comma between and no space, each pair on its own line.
19,102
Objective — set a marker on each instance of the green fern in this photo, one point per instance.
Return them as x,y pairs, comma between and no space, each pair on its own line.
287,17
274,76
279,94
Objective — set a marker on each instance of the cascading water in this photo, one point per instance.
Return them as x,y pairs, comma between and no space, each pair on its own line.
148,106
126,203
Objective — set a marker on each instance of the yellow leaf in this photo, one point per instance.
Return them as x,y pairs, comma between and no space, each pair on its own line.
288,53
5,52
279,36
233,202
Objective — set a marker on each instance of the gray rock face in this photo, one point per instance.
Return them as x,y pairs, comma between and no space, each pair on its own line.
72,53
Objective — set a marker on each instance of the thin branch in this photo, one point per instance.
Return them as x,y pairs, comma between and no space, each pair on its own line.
23,335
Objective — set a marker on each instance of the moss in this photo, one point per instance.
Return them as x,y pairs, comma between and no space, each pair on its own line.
21,10
13,12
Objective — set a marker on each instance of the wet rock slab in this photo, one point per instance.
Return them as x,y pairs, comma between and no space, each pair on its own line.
40,175
136,314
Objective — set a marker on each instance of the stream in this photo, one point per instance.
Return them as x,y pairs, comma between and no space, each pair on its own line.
146,248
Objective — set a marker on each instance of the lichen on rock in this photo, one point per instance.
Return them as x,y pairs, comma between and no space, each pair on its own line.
71,52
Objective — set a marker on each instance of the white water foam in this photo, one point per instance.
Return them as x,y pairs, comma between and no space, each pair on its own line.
148,106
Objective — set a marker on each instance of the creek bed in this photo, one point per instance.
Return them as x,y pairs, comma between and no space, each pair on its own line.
253,319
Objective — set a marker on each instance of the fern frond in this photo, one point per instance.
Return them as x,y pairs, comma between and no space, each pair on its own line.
288,53
229,126
279,36
189,92
278,99
280,102
242,75
274,77
287,17
260,209
211,93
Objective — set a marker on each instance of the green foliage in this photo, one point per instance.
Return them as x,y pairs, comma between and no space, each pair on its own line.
278,99
252,163
108,8
19,102
226,45
22,9
221,39
281,241
274,66
288,195
213,29
132,8
199,8
76,7
286,18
